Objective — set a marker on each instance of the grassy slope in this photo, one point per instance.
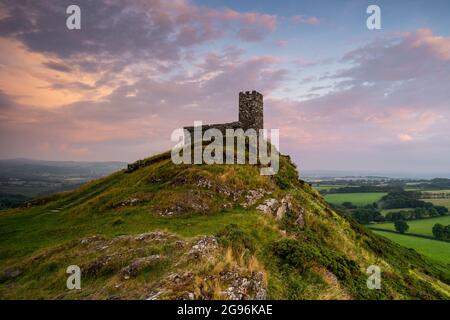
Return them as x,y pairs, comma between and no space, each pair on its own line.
359,198
437,250
326,259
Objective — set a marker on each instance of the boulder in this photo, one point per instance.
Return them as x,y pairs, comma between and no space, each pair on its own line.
203,247
269,206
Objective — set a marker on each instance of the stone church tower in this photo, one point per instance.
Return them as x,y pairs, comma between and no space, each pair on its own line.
251,115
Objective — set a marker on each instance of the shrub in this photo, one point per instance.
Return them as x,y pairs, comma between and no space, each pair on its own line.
296,254
234,237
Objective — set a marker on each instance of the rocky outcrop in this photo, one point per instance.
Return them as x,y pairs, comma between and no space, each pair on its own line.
139,265
154,236
252,197
300,221
129,202
269,206
203,247
243,288
280,209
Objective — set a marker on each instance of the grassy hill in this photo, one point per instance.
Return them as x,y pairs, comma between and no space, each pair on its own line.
168,231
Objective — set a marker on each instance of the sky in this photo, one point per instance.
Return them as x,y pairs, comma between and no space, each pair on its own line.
343,97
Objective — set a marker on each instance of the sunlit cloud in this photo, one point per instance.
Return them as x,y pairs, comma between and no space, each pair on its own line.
117,89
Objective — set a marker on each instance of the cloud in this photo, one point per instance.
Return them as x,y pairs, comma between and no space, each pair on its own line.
301,19
137,118
393,87
392,59
119,42
117,88
404,137
57,66
145,29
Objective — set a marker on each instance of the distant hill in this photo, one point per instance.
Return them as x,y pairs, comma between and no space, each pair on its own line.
167,231
23,179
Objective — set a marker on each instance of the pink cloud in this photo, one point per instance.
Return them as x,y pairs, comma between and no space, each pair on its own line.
424,38
118,37
404,137
128,127
413,55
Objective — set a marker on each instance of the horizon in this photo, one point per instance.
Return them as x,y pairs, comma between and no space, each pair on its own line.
306,173
345,98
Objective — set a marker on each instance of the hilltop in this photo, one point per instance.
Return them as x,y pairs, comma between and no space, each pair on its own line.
166,231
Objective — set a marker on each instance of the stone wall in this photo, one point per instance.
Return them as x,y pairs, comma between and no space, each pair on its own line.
222,127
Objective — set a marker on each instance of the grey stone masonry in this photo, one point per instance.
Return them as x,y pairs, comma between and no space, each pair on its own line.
251,115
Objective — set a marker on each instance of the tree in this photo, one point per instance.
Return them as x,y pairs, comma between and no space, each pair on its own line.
438,231
348,205
441,210
401,226
447,232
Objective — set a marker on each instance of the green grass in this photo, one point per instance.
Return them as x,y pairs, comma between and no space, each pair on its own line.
422,226
436,250
439,202
359,198
44,230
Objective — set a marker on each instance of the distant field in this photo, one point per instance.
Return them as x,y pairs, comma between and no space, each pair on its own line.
437,250
327,186
359,199
384,212
439,202
437,191
422,226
